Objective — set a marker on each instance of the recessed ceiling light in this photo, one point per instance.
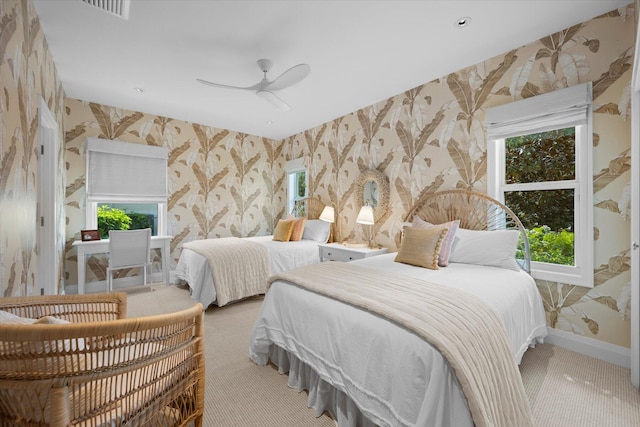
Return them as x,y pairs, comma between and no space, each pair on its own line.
462,22
138,89
269,122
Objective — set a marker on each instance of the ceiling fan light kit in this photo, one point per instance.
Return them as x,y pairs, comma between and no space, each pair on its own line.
265,88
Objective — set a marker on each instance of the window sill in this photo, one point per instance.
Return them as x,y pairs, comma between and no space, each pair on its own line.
568,277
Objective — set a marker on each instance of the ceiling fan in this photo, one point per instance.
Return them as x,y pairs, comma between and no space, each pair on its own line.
265,87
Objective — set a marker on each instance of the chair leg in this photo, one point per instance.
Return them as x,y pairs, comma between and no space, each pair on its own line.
109,279
144,275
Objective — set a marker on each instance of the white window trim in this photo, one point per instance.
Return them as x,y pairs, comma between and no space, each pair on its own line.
510,120
91,218
292,167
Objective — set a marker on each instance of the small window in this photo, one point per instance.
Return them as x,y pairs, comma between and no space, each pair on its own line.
539,164
296,182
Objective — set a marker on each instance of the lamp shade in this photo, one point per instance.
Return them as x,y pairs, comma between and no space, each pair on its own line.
365,216
328,214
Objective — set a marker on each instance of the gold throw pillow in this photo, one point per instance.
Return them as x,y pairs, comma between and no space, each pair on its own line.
283,230
421,247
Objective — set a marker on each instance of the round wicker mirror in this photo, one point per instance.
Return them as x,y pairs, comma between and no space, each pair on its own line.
372,188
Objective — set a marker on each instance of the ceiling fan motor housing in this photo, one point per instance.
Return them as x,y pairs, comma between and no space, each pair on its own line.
265,65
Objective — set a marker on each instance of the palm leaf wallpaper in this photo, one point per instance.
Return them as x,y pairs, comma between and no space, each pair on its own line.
27,73
435,136
429,138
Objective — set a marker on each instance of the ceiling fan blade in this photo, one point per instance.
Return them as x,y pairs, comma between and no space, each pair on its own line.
290,77
273,99
254,87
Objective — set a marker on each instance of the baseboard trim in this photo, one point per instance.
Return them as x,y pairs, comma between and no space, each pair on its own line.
611,353
118,284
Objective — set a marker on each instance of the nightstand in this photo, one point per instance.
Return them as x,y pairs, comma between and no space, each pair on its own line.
339,252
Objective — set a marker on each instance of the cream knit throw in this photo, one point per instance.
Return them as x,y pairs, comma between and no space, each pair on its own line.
240,268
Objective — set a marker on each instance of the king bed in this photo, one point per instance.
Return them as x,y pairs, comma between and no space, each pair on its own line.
380,342
228,269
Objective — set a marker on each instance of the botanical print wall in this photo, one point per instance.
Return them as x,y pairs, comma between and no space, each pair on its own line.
27,73
221,183
429,138
432,138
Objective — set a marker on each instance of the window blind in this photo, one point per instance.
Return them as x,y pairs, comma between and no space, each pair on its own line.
122,171
295,165
554,110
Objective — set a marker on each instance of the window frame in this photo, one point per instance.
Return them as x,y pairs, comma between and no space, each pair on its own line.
536,112
91,219
292,168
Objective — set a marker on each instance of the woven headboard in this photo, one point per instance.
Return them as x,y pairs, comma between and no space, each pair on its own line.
476,211
310,207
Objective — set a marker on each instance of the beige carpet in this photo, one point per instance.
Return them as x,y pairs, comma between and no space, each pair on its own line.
566,389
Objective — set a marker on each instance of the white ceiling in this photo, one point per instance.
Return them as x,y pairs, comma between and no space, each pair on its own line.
360,52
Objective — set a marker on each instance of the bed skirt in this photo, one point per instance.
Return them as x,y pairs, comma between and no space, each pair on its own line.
323,397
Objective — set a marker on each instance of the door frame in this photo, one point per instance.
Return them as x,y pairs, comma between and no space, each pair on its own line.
635,215
48,277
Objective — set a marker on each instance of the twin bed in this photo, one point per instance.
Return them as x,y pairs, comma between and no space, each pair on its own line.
379,342
219,271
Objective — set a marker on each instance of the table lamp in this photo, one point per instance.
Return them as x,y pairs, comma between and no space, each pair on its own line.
365,217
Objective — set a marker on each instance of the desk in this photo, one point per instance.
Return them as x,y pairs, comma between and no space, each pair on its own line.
102,247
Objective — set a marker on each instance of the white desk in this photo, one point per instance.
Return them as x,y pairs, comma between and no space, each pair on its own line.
102,247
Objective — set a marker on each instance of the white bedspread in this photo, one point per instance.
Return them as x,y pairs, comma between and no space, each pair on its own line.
395,377
194,269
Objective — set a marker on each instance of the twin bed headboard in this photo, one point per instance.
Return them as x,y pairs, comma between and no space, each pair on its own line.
310,207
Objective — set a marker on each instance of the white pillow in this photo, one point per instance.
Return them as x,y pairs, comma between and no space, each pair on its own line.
316,229
493,248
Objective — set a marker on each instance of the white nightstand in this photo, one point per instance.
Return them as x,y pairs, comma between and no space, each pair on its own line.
339,252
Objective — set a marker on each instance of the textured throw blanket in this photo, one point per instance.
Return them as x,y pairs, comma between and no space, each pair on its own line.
240,268
463,328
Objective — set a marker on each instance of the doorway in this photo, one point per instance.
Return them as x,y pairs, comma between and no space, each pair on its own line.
49,278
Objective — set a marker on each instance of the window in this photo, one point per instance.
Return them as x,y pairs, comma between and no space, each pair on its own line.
126,183
540,165
296,181
127,216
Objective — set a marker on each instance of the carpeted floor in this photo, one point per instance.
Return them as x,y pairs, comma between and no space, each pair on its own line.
565,389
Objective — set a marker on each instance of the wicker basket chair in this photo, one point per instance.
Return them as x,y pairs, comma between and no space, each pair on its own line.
310,207
101,369
476,211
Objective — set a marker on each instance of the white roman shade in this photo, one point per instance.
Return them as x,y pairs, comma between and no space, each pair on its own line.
295,165
554,110
122,171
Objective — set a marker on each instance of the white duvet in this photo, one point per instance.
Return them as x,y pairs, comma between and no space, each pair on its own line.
194,269
393,376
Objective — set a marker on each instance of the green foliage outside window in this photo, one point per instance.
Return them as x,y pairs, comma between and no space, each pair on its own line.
116,219
545,156
548,215
111,219
550,246
139,221
301,183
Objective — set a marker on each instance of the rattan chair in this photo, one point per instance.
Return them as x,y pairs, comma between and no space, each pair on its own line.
102,369
476,211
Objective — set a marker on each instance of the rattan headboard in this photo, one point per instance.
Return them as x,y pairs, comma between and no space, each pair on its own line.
476,211
310,207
